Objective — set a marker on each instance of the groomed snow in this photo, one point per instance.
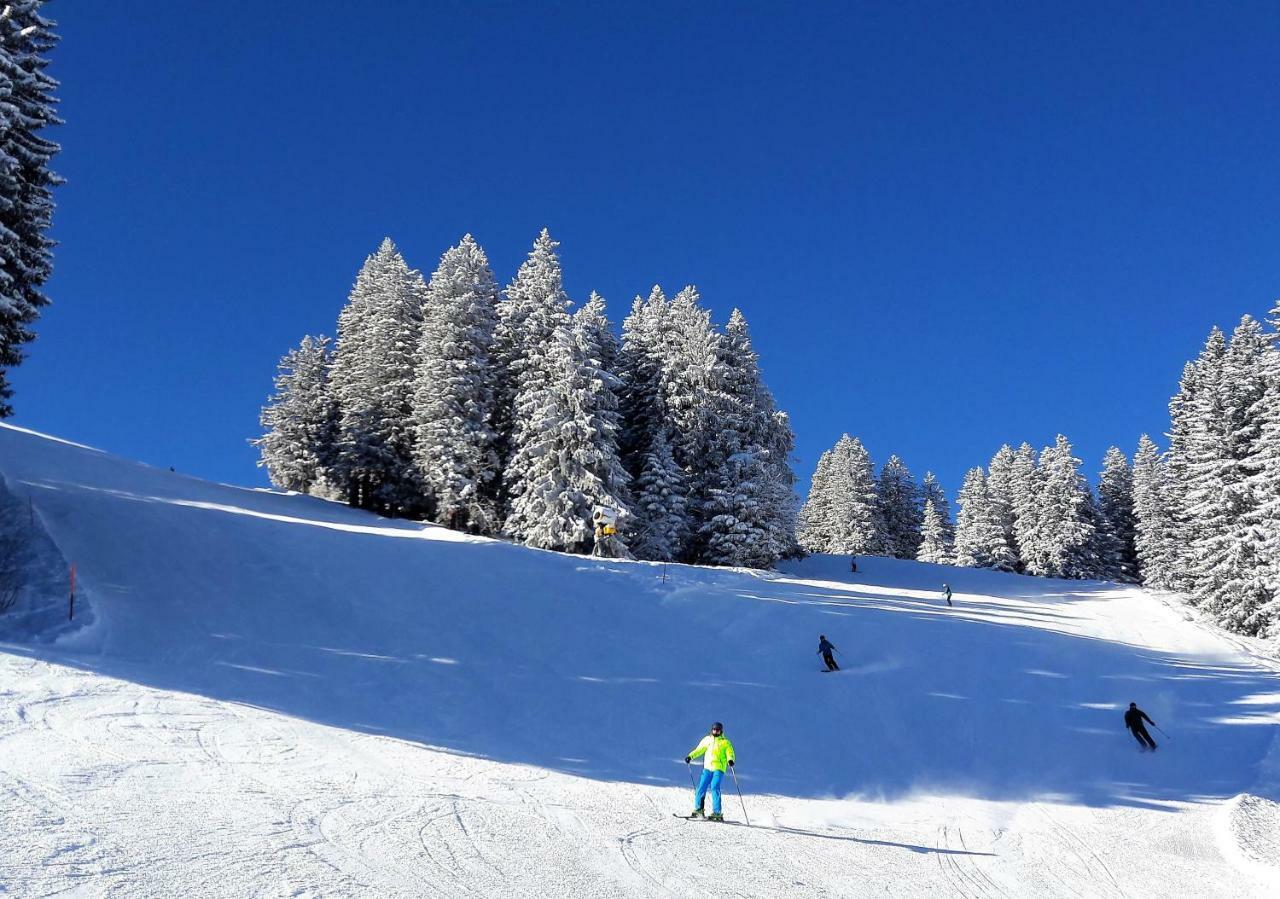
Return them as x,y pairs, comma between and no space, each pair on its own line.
271,695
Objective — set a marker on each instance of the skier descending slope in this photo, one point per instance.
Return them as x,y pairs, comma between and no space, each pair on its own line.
718,756
1133,721
825,649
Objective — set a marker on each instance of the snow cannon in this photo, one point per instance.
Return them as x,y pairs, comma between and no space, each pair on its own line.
605,520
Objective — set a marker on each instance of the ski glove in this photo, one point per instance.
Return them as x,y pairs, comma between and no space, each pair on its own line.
688,759
730,763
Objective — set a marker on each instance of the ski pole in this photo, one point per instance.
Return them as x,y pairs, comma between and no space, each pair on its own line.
740,799
691,780
1157,727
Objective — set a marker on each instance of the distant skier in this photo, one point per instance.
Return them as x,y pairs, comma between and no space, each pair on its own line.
1133,721
717,754
946,592
825,649
853,564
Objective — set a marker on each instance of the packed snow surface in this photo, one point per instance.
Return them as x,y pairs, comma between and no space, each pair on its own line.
272,695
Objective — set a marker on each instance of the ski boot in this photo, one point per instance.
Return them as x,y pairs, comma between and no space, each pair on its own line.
698,813
715,816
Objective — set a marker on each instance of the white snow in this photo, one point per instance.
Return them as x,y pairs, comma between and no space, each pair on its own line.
279,696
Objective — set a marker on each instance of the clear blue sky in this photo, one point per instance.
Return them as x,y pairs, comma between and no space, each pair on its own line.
950,225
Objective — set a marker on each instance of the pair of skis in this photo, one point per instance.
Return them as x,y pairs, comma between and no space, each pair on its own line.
709,820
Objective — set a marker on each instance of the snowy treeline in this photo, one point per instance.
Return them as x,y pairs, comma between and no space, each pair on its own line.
27,105
852,511
1208,510
1036,514
1202,518
509,412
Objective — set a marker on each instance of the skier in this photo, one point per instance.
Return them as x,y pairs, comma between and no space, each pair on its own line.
825,649
853,564
1133,721
717,754
946,591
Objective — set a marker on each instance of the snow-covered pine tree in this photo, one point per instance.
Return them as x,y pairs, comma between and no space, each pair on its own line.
931,491
301,420
565,459
751,521
980,535
1229,549
934,545
1061,537
659,508
815,525
857,527
640,367
453,392
1117,547
534,305
1025,486
971,550
372,382
1002,501
592,322
1194,429
1266,480
690,350
27,107
900,509
1154,528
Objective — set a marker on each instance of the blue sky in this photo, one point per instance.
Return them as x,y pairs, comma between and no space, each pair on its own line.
950,225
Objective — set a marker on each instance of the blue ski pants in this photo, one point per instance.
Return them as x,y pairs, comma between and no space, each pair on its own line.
710,779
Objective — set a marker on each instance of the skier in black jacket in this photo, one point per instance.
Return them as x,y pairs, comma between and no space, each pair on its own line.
1133,721
826,648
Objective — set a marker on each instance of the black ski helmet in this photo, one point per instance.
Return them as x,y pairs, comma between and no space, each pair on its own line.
716,725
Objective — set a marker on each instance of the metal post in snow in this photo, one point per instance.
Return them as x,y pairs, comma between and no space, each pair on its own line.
71,602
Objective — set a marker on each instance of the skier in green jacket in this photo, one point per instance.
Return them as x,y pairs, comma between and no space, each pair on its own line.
717,754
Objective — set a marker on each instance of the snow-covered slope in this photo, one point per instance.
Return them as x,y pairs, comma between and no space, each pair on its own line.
275,695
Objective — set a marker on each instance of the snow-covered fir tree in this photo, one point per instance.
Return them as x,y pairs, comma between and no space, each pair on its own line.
641,369
1002,483
750,483
1061,535
1228,552
931,491
1265,481
900,509
980,537
564,439
565,461
1195,417
659,507
857,527
301,420
815,525
453,392
534,306
934,540
27,108
1117,548
1025,489
372,380
1154,532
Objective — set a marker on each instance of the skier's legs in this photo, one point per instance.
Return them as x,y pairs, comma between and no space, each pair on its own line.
1144,737
716,777
700,797
1137,735
831,662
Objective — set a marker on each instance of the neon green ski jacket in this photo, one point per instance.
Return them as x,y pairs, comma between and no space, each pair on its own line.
719,752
